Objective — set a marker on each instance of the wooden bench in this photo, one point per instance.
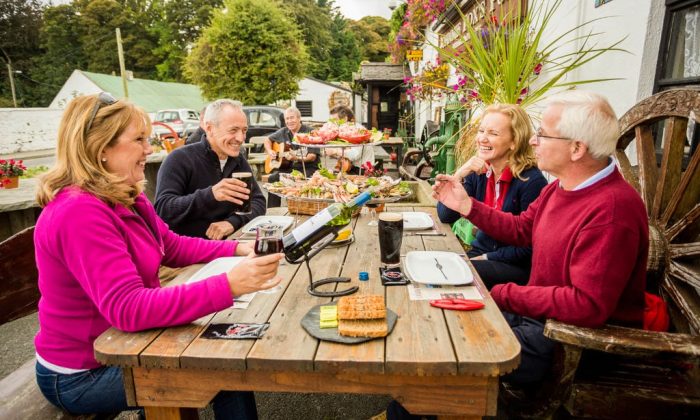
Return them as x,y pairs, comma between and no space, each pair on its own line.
20,397
615,372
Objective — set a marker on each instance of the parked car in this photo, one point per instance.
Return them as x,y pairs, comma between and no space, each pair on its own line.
263,120
182,121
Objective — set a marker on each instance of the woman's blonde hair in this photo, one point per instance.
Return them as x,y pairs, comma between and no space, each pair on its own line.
79,152
521,157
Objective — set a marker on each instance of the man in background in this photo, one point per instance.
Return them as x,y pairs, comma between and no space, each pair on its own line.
197,135
302,159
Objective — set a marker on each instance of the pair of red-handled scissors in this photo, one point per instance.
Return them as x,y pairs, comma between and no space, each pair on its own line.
457,304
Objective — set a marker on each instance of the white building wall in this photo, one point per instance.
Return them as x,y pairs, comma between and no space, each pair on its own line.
76,85
320,93
639,21
617,19
28,129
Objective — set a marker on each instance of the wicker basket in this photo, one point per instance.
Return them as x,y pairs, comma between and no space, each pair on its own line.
310,207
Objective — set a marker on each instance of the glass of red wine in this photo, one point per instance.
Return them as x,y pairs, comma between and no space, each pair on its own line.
268,240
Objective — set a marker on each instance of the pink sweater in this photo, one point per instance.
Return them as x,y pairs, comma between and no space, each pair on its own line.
98,268
589,253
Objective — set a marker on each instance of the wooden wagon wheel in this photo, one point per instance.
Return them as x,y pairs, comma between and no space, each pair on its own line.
670,188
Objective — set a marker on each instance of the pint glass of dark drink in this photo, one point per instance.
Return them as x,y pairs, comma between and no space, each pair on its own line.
390,232
246,177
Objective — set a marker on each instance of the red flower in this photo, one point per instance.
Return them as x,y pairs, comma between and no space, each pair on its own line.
537,69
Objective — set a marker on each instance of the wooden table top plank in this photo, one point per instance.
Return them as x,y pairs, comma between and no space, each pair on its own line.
231,354
166,349
475,354
119,348
286,346
420,343
363,256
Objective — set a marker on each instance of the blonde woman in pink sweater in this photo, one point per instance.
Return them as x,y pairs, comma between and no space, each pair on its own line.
99,244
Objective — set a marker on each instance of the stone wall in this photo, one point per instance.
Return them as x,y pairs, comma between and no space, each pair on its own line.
28,129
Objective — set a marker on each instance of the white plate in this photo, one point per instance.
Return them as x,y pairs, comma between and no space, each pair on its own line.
417,221
421,267
282,221
219,266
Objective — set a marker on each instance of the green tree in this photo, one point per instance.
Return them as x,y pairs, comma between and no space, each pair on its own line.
372,33
251,52
345,56
135,19
62,52
180,25
20,23
314,19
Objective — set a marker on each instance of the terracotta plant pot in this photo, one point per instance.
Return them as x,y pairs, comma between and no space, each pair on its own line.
13,182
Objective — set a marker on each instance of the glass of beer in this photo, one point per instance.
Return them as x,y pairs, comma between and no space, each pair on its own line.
268,240
390,229
246,177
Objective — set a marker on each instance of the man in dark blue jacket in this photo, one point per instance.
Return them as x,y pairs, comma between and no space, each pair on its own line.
196,195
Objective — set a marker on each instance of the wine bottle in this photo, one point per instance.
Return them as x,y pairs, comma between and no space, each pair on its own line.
319,227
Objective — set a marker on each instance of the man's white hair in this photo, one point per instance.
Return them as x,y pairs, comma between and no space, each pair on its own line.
214,109
293,110
588,117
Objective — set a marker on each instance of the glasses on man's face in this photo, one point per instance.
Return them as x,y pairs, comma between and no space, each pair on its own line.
539,136
104,98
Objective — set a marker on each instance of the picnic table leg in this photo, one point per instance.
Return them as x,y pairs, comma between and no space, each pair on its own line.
171,413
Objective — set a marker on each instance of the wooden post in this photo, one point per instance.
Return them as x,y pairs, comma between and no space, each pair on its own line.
122,67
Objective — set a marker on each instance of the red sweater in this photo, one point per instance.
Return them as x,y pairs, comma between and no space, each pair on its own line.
589,253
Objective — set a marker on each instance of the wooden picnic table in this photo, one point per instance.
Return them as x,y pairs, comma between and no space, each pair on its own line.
434,362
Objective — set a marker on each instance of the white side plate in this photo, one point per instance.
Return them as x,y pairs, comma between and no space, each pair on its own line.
417,220
283,221
219,266
421,267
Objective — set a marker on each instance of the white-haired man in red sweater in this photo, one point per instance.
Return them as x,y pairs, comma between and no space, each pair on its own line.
588,231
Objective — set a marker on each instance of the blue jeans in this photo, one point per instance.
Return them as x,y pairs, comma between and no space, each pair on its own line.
101,390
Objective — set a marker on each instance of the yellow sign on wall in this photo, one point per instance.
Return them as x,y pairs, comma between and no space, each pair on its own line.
414,55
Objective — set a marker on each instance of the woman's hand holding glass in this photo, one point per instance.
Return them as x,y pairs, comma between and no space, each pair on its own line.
255,273
449,191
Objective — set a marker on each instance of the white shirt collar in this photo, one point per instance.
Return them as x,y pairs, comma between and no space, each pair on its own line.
598,176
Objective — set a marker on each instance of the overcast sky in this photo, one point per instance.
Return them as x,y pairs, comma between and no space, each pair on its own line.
356,9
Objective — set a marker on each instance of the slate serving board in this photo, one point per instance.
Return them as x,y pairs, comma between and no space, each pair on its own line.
310,322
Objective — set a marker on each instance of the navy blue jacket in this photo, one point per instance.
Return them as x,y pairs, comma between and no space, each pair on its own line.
519,196
184,199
